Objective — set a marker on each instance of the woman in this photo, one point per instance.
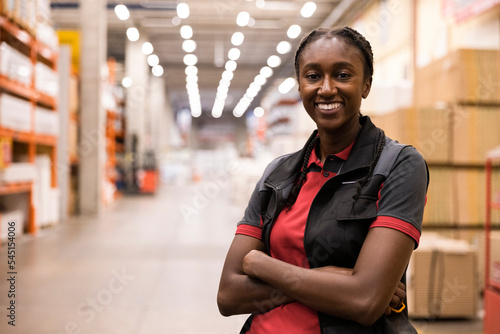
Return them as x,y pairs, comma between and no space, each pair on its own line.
326,237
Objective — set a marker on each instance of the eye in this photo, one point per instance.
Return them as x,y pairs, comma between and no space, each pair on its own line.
343,75
312,76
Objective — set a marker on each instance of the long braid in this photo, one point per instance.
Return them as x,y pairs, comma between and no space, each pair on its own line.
303,174
380,148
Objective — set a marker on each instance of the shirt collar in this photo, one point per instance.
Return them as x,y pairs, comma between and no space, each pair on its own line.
313,158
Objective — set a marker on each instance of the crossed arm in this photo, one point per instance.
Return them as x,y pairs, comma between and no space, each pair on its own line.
252,281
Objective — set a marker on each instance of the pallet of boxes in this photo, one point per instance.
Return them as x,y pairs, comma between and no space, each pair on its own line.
456,119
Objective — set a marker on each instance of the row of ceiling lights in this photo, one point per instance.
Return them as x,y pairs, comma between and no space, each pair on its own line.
189,46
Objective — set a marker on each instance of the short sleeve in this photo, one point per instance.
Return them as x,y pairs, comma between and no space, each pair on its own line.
250,224
403,195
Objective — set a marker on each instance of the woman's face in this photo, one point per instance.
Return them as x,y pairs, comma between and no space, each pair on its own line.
332,84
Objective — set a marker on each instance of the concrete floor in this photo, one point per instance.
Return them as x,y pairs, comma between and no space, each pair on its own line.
147,265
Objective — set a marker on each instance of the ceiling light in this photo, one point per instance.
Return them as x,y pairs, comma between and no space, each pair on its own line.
190,59
231,65
234,54
122,12
147,48
186,32
157,70
283,47
260,3
153,60
308,9
258,112
126,82
243,19
251,22
176,20
189,45
237,38
183,10
286,85
294,31
191,70
266,72
133,34
274,61
260,80
227,75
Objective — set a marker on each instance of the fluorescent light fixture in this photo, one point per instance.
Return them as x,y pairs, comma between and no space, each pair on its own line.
122,12
234,54
127,82
258,112
286,85
308,9
190,59
260,3
274,61
227,75
157,70
266,72
294,31
147,48
176,20
189,45
260,80
242,19
231,65
237,38
283,47
183,10
186,32
191,70
153,60
133,34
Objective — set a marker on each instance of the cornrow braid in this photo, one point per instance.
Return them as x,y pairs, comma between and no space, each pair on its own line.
348,35
380,148
303,174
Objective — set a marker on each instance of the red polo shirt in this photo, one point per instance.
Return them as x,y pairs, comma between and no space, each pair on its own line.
287,244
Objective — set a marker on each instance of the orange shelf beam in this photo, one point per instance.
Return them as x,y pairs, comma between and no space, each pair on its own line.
13,188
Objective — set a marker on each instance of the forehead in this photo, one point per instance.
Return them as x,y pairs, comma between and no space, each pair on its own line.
331,50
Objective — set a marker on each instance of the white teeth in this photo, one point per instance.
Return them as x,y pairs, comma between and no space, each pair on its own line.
328,106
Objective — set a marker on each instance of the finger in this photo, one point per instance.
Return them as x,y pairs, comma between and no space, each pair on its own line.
388,311
395,301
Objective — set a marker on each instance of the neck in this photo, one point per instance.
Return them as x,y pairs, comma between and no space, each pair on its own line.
333,143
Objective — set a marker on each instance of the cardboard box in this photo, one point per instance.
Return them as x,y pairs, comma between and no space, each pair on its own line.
463,76
442,280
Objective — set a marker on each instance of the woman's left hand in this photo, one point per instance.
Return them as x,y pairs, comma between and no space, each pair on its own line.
252,261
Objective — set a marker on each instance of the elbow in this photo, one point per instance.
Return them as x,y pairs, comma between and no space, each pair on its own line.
369,312
223,303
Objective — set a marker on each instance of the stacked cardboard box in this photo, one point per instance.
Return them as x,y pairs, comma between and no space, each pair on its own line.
464,76
442,279
15,113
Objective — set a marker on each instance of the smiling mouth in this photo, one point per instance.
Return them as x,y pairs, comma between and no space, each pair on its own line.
329,106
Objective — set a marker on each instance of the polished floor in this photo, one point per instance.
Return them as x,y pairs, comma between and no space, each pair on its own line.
147,265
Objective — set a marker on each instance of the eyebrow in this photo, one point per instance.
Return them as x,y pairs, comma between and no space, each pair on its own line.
337,64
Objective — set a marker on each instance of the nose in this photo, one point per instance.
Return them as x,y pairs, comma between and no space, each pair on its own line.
328,87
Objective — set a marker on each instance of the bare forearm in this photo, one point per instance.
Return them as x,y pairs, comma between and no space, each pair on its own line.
249,295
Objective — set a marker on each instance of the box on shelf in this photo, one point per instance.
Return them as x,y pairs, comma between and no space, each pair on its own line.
15,65
46,121
5,152
18,172
46,80
6,217
15,113
8,7
433,137
463,76
442,279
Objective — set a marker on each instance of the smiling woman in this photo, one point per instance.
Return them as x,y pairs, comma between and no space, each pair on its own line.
326,238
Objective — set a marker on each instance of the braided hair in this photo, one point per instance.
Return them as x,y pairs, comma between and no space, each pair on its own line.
348,35
303,174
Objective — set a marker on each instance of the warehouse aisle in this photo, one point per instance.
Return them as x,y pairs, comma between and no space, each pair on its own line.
149,265
144,267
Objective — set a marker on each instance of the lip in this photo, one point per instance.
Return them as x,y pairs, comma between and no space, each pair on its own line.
332,109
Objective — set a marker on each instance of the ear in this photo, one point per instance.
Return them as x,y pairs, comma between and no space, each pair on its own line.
300,92
367,87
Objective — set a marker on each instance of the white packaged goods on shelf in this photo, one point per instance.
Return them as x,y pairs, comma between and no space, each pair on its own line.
43,11
15,65
46,121
42,190
9,7
15,113
47,80
18,172
6,217
46,34
53,206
